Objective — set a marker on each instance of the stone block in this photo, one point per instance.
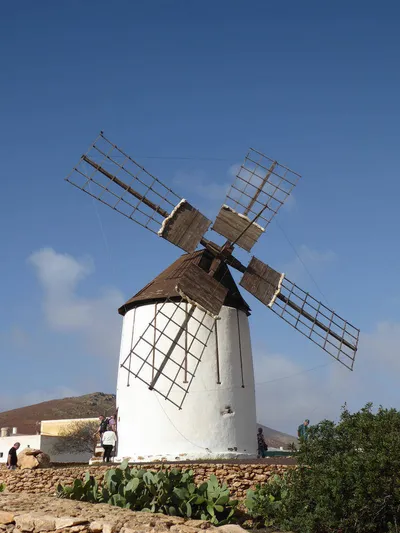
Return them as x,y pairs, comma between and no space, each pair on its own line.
25,522
109,527
199,524
44,523
69,521
96,526
231,528
183,528
6,518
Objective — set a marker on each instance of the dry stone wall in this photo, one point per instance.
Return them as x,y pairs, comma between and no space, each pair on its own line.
239,477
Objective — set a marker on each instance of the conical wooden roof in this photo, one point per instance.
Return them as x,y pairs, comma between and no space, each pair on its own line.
163,286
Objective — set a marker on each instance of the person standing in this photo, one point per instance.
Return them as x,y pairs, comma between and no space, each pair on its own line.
109,441
12,459
112,421
302,430
102,427
262,446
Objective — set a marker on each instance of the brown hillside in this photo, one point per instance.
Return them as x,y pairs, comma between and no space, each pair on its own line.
276,439
89,405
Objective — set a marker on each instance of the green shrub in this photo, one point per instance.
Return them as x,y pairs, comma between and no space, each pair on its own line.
2,487
347,479
266,504
171,492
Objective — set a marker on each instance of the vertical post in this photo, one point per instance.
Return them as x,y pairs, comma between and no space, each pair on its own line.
185,369
217,355
130,353
240,347
154,341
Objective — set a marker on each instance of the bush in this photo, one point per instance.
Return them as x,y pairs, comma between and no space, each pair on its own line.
2,487
266,504
347,480
171,492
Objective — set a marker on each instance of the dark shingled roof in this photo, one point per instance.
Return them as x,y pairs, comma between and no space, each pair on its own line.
163,286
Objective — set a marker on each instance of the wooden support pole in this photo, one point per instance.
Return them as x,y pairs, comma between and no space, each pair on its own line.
260,188
127,188
172,347
309,317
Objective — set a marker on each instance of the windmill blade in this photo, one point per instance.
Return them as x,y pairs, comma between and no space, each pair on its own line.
169,351
166,355
202,290
260,189
306,314
109,175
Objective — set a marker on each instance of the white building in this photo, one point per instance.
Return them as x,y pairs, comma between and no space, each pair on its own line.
218,416
49,434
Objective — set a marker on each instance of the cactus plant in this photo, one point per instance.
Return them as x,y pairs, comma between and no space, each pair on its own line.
171,492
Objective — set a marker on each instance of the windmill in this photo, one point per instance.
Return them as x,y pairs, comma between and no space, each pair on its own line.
189,325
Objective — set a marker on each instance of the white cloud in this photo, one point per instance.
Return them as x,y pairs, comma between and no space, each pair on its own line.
16,337
308,259
19,337
288,391
234,170
94,319
380,348
197,183
290,394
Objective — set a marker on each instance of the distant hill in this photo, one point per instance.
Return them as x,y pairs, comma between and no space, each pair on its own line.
91,405
276,439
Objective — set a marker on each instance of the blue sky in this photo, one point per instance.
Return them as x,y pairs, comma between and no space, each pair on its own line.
314,85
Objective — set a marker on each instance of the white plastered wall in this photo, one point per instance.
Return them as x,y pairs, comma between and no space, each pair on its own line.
216,420
43,443
31,441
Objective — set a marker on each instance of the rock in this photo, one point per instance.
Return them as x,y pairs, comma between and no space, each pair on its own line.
109,527
31,459
30,451
182,528
28,462
6,518
96,526
69,521
44,523
199,524
25,522
231,528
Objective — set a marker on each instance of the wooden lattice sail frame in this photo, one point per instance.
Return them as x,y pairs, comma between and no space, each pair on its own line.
260,188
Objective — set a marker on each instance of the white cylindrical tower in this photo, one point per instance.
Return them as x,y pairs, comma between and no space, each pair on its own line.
218,416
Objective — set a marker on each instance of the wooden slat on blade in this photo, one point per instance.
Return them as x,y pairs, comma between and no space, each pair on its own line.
185,227
202,289
230,224
261,280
